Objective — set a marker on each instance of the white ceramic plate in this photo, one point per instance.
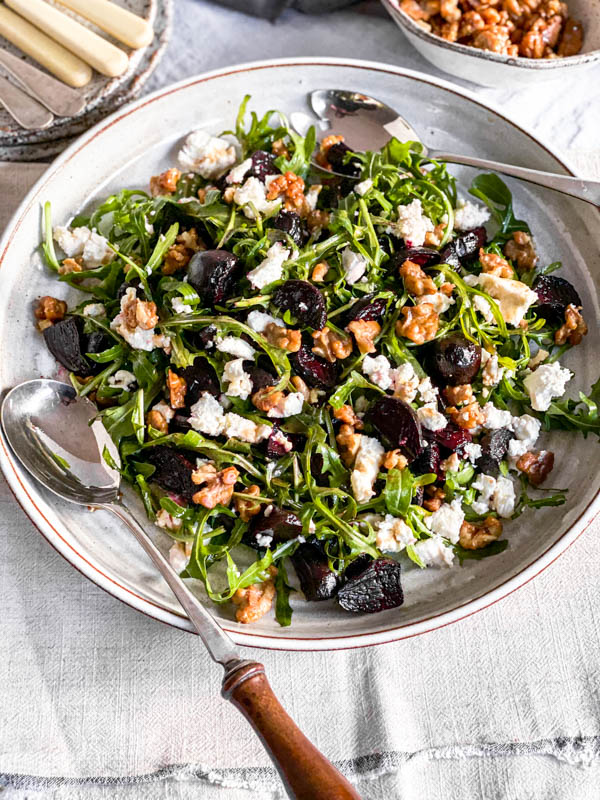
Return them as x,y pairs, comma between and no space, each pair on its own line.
141,140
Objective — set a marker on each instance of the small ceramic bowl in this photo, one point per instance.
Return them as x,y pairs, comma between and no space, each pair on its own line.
491,69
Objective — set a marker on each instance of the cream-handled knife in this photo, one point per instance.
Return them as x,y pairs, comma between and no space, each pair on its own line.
43,49
115,20
98,52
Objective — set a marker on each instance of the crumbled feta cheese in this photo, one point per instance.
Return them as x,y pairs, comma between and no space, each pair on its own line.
207,415
122,379
451,464
178,557
263,539
225,402
430,418
366,468
354,265
470,280
440,301
413,224
312,195
271,268
206,155
363,187
513,297
236,427
492,371
252,195
470,215
167,521
406,383
496,417
238,172
179,307
139,338
89,244
378,370
281,439
545,383
481,304
472,451
361,405
434,552
446,521
496,494
288,406
94,310
540,356
235,347
486,485
258,321
393,534
427,391
526,428
240,383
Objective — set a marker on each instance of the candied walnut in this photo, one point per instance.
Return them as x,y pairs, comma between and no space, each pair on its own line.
331,345
543,33
420,323
449,32
470,23
420,11
205,473
285,338
495,38
459,395
365,331
348,442
217,491
469,416
320,271
191,240
145,315
165,183
574,328
301,387
317,220
266,399
346,414
394,459
248,508
475,535
156,420
228,194
571,39
450,11
255,601
177,258
278,148
415,280
434,498
447,289
201,195
521,251
434,238
70,265
537,466
324,149
50,309
495,265
177,389
291,186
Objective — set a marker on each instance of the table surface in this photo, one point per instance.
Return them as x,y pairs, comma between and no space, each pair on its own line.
503,704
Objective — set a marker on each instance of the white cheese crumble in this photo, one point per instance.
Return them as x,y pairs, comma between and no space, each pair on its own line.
122,379
281,439
470,215
495,417
406,383
312,195
472,451
271,268
179,307
252,195
368,460
288,406
446,521
94,310
430,418
492,371
178,558
440,301
434,552
393,534
413,224
167,521
206,155
363,187
207,415
89,244
240,384
238,172
540,356
427,391
513,297
378,370
481,304
237,427
354,265
263,539
258,321
235,347
497,494
139,338
545,383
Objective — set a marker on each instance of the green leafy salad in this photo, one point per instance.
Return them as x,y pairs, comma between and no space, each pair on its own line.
318,365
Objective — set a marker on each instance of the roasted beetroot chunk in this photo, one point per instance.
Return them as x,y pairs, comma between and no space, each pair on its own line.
428,461
314,370
289,222
317,581
199,377
304,301
67,343
336,155
376,588
263,165
451,439
213,274
279,524
368,308
173,472
554,294
455,359
398,423
493,449
465,248
423,256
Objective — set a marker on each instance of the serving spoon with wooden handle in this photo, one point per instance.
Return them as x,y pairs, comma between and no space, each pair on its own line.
57,437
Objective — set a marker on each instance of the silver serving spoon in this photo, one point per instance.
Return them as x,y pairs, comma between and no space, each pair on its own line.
57,438
368,124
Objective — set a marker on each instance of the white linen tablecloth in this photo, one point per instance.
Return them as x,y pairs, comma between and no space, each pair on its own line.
98,701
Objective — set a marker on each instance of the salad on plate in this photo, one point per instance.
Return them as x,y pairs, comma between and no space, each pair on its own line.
314,381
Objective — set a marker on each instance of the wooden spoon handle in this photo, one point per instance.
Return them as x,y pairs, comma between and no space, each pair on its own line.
306,773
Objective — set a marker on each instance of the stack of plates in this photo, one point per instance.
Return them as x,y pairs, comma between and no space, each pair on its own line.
103,95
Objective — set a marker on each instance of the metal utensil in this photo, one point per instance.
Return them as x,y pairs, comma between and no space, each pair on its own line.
28,112
55,95
368,124
56,437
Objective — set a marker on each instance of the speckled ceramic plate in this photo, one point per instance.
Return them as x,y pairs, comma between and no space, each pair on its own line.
142,139
103,95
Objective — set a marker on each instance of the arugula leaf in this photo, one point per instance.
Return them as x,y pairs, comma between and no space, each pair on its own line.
283,609
492,549
498,198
